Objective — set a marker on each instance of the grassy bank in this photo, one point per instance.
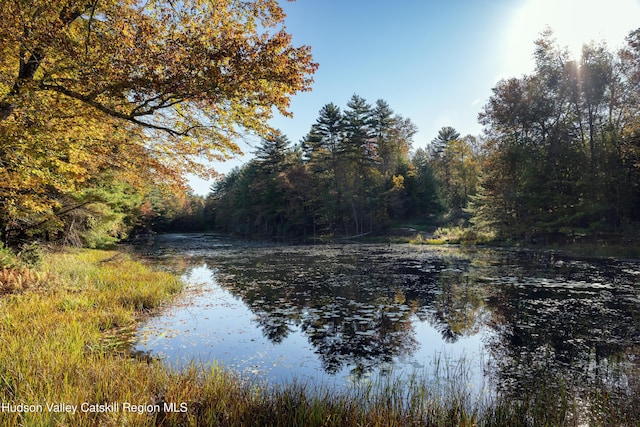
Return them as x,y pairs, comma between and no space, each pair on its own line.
64,337
601,245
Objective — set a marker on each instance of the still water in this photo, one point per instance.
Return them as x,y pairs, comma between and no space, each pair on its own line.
334,315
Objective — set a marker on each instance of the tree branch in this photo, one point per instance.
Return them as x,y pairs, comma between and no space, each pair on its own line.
116,114
60,213
30,60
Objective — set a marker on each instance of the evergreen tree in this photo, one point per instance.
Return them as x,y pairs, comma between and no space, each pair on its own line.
359,142
359,153
426,203
325,141
333,183
439,143
272,153
382,124
329,126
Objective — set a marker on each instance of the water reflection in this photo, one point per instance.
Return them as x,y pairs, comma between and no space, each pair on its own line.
356,305
356,309
573,319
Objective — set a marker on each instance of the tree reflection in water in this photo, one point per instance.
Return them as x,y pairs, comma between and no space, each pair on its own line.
565,323
543,316
356,304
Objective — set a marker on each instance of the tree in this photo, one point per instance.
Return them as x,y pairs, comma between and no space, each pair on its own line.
558,146
401,140
359,138
393,135
171,211
148,86
350,175
464,171
324,141
425,203
103,213
133,61
272,153
382,121
359,153
269,202
329,126
455,165
445,134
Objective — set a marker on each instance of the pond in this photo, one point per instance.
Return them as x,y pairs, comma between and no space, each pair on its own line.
343,314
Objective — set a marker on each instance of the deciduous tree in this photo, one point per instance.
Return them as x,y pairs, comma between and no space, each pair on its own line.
150,87
558,145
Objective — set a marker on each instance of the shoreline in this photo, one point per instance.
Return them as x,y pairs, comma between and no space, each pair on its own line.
63,348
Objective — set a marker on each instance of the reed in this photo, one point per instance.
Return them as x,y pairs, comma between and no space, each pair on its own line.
68,339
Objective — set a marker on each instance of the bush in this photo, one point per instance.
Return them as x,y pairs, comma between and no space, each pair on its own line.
31,254
7,258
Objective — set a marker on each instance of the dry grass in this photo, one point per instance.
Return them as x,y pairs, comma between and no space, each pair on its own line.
65,334
14,280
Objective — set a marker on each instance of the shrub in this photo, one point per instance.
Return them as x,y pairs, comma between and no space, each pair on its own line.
7,258
31,254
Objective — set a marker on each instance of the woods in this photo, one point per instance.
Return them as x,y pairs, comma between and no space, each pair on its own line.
350,175
562,147
105,106
559,160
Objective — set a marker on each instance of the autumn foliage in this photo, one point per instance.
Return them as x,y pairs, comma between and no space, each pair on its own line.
95,92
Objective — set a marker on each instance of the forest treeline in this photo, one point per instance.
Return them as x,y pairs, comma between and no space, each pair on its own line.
353,174
559,159
563,145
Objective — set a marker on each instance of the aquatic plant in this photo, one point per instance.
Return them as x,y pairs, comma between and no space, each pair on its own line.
65,345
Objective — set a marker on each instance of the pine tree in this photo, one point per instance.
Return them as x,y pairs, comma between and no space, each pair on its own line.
272,153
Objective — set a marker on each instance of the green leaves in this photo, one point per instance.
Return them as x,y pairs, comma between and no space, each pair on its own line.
145,89
556,162
351,175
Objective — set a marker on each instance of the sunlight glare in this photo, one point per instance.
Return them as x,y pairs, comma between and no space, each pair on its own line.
574,22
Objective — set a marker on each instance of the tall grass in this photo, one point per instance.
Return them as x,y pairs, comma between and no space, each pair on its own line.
67,340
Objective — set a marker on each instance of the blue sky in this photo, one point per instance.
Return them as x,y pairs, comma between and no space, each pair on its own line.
434,62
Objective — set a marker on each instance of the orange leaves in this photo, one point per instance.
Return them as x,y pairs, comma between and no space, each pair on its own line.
142,88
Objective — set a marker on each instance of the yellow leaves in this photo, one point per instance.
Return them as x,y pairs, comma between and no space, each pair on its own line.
398,182
145,89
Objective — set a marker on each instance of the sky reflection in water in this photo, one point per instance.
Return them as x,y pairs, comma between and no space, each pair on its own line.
334,314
